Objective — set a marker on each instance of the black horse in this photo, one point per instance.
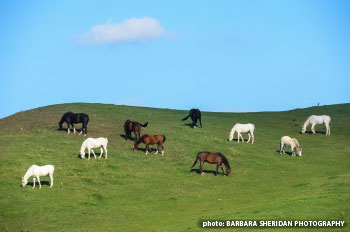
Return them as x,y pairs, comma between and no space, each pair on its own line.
71,118
195,114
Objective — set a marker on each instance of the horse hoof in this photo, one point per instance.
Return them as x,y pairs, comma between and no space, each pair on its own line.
202,174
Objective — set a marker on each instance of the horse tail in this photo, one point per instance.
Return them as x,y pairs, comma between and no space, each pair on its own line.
164,138
185,118
144,125
195,162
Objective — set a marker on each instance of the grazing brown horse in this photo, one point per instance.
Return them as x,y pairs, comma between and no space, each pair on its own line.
150,140
131,126
213,158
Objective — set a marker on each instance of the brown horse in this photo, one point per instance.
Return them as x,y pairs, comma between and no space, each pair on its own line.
213,158
131,126
150,140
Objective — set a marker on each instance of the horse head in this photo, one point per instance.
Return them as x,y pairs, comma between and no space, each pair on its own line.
299,150
24,182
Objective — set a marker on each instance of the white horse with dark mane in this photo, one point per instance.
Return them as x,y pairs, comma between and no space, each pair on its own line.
293,143
37,171
317,119
242,128
91,144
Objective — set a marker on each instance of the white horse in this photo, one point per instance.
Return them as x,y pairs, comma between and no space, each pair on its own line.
242,128
317,119
293,143
92,143
37,171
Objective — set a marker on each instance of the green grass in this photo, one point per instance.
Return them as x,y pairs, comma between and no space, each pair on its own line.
134,192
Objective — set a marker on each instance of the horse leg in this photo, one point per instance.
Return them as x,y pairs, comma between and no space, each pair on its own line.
162,150
201,168
281,148
93,153
328,129
89,153
85,126
51,182
38,177
217,168
313,129
222,169
252,137
74,131
105,151
241,137
248,137
157,149
101,149
82,129
68,130
34,180
147,146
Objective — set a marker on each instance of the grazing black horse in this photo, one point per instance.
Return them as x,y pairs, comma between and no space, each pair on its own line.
71,118
195,114
131,126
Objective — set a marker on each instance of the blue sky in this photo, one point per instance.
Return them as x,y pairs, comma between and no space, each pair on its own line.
214,55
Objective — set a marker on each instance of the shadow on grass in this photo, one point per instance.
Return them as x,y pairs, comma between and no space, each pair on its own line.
287,153
92,155
127,137
43,182
71,130
310,132
191,124
206,172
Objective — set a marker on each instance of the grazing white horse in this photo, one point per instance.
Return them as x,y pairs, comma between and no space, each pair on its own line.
37,171
92,143
317,119
293,143
242,128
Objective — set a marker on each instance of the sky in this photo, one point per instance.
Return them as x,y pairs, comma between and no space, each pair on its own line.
222,56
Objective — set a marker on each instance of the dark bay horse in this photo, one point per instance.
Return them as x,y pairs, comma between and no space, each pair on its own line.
150,140
213,158
71,118
131,126
195,114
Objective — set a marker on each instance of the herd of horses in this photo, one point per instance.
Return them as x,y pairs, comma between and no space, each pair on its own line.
217,158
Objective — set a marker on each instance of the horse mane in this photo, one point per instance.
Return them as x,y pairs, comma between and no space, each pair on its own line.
27,172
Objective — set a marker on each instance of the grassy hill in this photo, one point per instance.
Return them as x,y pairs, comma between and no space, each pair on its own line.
134,192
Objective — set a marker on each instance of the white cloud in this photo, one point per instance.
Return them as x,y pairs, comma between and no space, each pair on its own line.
130,30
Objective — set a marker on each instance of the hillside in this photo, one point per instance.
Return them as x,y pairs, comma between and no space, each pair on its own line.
131,191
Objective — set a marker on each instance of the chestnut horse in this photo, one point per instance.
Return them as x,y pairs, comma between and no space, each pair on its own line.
71,118
213,158
131,126
195,114
150,140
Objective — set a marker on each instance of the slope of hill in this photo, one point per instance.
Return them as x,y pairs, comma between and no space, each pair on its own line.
131,191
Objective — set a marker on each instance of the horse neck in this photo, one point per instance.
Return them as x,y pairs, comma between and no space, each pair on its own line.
306,123
29,173
137,143
227,165
232,132
83,147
